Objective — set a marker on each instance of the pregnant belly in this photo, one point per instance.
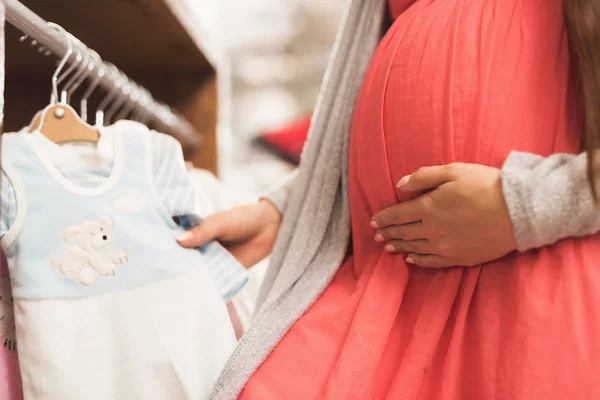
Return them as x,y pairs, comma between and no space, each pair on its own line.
455,81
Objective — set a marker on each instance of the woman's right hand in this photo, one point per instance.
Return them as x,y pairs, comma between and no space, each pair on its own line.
248,232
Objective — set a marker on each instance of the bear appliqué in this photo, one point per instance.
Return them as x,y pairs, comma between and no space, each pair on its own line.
89,252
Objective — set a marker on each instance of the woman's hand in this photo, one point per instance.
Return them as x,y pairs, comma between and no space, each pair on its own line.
248,232
462,219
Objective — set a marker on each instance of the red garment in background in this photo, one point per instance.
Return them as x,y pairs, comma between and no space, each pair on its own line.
289,140
453,80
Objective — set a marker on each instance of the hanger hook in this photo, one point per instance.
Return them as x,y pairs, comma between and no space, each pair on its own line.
134,95
72,67
136,115
122,99
80,75
61,64
146,104
96,62
119,82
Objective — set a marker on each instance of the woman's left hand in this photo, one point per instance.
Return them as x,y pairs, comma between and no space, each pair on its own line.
462,219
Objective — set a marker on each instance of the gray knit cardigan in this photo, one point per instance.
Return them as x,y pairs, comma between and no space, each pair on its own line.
548,200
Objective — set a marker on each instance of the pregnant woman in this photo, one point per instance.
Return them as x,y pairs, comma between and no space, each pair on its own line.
452,81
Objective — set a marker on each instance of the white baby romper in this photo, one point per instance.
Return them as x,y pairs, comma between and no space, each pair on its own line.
107,305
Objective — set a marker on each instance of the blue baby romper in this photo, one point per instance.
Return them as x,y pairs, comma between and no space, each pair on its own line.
107,304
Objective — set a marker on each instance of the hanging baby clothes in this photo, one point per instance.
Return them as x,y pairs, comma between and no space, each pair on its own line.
10,377
107,304
90,166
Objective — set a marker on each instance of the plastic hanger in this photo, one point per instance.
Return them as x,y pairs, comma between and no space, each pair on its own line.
59,122
92,87
133,102
112,111
87,67
119,82
140,114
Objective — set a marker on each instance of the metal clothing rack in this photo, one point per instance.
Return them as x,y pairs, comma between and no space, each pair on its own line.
159,114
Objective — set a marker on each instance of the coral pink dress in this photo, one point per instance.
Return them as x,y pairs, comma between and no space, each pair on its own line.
453,80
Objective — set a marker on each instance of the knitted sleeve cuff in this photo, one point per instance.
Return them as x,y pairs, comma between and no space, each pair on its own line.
548,199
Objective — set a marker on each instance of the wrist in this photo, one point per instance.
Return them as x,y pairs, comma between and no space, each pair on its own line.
510,236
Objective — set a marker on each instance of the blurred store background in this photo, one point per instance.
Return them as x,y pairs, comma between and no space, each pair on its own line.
277,70
270,57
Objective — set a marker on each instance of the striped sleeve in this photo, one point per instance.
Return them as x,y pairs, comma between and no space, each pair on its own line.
229,275
171,179
183,199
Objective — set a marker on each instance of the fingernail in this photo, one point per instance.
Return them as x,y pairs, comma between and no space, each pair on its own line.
409,260
184,236
379,237
389,248
403,182
374,225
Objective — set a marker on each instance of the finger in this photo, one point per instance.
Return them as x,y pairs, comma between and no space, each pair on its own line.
426,178
412,231
427,260
404,213
212,228
408,246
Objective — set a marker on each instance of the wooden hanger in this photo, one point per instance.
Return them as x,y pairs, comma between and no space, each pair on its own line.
60,123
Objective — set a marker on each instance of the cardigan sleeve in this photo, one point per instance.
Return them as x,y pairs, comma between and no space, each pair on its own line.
548,198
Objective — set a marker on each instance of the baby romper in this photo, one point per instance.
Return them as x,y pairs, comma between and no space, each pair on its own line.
107,304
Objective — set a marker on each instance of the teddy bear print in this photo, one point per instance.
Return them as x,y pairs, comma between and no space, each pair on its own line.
89,252
7,318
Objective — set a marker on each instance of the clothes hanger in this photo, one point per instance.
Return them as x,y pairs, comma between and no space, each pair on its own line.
132,102
59,122
71,85
87,67
126,92
35,123
119,82
93,86
138,109
141,113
